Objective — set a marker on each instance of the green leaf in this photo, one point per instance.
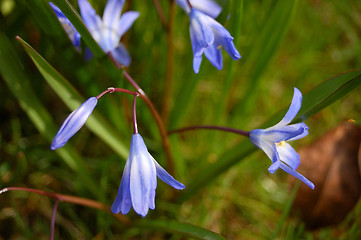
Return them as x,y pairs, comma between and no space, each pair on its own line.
313,102
18,83
44,16
267,42
96,123
184,229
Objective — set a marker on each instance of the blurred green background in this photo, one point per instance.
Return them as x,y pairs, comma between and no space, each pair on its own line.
284,44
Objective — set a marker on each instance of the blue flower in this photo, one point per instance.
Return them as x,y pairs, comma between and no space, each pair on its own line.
273,141
68,27
209,7
108,31
74,122
208,36
139,181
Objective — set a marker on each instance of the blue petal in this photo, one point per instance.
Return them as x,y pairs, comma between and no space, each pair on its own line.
91,20
74,122
126,21
224,38
143,180
274,166
297,175
294,108
209,7
70,30
197,63
283,133
112,12
288,155
121,55
229,47
165,177
214,55
201,32
255,136
123,201
303,134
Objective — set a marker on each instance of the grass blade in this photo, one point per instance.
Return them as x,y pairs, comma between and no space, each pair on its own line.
96,123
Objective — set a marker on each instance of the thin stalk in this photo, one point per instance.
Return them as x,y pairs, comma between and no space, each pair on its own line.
160,13
189,4
112,89
211,127
158,119
168,86
135,126
70,199
52,225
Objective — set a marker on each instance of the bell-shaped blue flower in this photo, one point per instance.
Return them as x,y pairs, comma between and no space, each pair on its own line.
68,27
209,7
108,31
139,181
273,141
74,122
208,37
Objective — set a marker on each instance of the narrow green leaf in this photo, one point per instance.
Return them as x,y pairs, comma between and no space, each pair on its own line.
236,9
313,102
19,84
184,229
44,16
267,42
286,211
96,123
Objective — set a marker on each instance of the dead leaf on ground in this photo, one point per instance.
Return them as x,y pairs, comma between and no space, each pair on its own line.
332,163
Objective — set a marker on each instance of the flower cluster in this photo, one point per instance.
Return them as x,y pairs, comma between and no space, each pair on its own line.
139,181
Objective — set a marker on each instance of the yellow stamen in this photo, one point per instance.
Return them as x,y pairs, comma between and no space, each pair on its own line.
281,144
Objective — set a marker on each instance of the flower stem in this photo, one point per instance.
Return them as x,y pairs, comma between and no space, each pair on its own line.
225,129
158,119
169,69
135,126
160,13
112,89
189,3
52,226
70,199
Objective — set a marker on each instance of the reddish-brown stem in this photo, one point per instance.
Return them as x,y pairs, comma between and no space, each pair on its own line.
71,199
111,90
52,226
225,129
153,110
189,3
160,13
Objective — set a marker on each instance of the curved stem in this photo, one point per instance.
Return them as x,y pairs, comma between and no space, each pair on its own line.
225,129
158,119
52,226
70,199
112,89
160,13
135,126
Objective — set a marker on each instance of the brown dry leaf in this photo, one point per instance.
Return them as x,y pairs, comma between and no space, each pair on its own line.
332,163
